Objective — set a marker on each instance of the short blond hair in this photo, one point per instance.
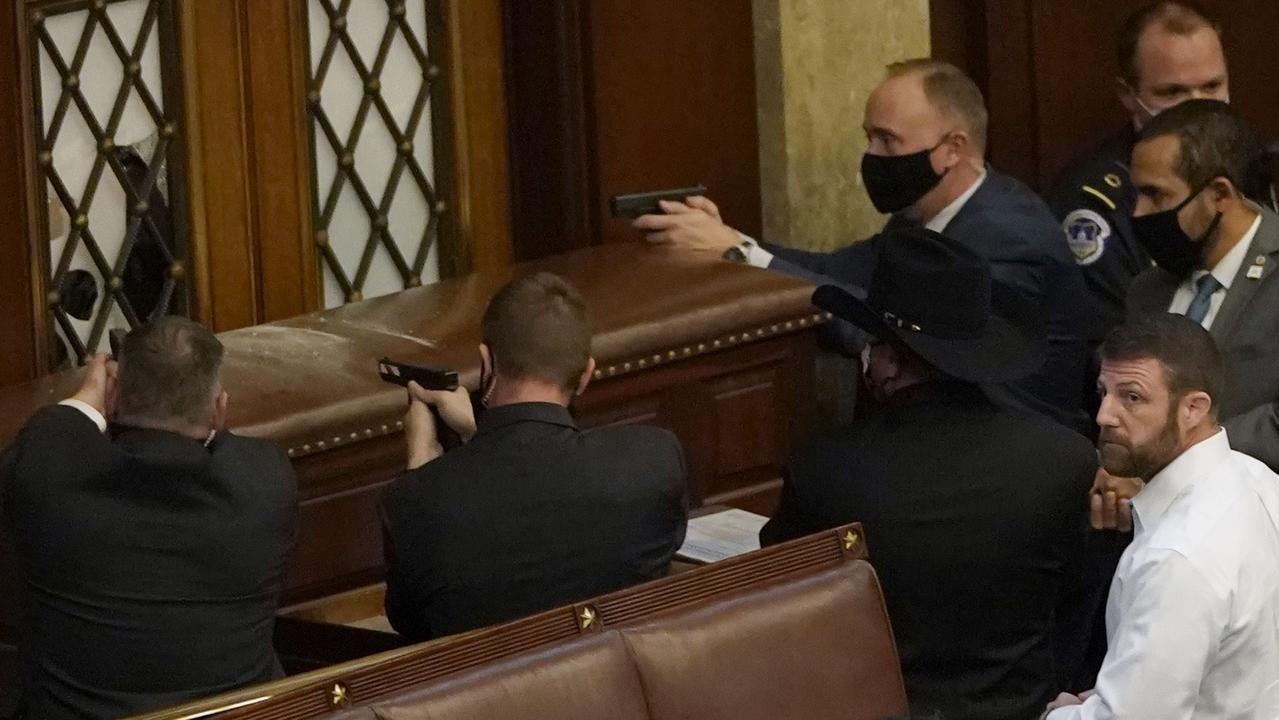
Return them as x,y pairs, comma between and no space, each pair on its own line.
951,93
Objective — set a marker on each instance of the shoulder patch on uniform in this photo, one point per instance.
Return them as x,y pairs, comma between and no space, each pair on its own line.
1100,196
1086,233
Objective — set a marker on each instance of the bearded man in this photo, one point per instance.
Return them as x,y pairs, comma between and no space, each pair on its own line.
1192,622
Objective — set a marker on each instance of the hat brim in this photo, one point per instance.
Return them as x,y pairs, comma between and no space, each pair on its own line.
1003,352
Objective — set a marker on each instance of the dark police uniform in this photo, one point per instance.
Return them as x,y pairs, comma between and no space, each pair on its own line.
1094,200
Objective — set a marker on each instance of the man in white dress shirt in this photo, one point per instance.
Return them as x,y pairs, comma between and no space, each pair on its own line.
1193,617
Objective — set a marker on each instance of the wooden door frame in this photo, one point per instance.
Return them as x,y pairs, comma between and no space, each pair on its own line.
22,315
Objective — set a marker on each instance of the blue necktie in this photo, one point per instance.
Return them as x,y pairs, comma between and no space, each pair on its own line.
1204,288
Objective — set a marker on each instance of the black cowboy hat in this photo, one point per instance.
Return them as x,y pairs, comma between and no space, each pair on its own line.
937,298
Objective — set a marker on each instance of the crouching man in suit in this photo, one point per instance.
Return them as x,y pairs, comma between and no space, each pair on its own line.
531,512
974,512
151,541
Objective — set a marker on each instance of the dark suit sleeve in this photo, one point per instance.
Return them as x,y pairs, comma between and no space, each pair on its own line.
1256,433
50,434
849,267
790,520
404,605
679,500
1085,580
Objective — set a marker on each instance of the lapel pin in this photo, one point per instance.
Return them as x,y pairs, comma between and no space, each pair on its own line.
1254,272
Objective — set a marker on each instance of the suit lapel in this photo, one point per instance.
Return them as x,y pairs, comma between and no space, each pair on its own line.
1264,245
1152,292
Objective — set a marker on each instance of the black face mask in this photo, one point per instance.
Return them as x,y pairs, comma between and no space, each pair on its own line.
1168,244
895,182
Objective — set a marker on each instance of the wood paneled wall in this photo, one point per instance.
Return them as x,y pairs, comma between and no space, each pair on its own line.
248,151
614,96
17,292
247,140
1048,69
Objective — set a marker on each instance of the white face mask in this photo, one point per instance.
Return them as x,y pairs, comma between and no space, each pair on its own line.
1152,112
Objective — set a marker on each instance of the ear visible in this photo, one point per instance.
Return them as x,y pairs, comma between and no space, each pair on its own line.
962,143
486,360
220,410
1195,409
1222,191
587,374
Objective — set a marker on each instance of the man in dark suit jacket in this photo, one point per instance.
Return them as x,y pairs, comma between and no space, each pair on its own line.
1221,273
152,549
530,513
926,127
974,512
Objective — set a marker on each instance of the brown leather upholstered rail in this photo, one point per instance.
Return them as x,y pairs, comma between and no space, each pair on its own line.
310,384
786,616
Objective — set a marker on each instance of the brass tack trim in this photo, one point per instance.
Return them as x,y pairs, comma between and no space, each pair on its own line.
851,540
613,370
586,617
339,696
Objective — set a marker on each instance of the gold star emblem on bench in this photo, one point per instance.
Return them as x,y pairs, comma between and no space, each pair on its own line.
586,617
338,695
850,540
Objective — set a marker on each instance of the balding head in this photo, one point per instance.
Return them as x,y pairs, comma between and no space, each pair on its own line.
1170,52
936,95
170,376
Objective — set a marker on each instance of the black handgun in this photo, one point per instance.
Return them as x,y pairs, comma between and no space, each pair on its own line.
429,378
635,204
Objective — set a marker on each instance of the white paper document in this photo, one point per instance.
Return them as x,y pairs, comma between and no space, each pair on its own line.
721,535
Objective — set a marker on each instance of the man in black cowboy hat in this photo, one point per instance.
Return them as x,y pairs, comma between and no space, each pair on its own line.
975,513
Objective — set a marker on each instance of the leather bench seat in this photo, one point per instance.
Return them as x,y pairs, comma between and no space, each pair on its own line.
587,679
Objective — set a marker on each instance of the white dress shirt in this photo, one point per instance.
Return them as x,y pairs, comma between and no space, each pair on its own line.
760,258
1193,616
1225,272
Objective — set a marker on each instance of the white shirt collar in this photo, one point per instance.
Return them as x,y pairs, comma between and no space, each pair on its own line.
1178,478
942,219
1228,267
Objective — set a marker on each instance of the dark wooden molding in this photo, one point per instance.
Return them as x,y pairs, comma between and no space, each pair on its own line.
250,163
546,68
21,333
280,148
481,214
219,165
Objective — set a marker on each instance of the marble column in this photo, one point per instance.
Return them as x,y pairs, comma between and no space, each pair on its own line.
815,63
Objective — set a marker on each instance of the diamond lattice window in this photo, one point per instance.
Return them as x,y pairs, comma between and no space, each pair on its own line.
114,244
376,101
